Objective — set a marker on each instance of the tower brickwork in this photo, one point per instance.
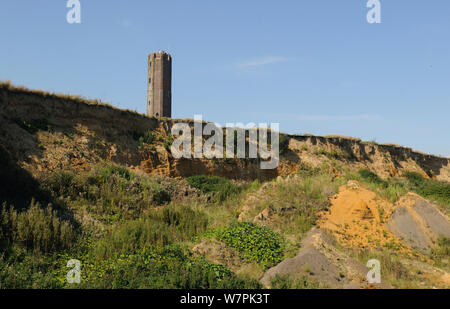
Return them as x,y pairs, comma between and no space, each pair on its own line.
159,94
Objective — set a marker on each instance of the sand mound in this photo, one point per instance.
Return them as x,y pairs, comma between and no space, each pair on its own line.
418,222
321,261
356,219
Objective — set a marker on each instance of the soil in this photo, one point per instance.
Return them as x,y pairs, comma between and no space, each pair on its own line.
418,222
356,218
320,261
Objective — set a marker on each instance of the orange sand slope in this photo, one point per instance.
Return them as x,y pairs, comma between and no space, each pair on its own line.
357,219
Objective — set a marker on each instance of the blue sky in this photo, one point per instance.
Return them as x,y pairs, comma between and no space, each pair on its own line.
314,66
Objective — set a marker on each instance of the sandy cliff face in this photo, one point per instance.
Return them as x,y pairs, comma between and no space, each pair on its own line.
385,160
45,132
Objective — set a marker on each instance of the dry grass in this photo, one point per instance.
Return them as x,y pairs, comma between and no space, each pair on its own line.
8,86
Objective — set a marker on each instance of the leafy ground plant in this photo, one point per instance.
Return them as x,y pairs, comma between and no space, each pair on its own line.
220,188
255,243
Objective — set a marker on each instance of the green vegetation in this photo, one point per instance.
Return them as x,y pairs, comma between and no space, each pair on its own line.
438,191
109,191
159,228
284,144
286,282
147,138
335,153
17,186
120,234
33,126
169,267
299,200
255,243
156,267
132,230
168,142
372,177
441,254
392,270
393,188
218,187
36,228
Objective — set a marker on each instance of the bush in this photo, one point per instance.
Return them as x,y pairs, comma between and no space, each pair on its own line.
255,243
391,268
298,201
167,267
150,268
27,271
372,177
441,254
429,188
158,228
110,191
284,144
391,189
147,138
33,126
168,142
36,228
17,186
286,282
338,154
220,188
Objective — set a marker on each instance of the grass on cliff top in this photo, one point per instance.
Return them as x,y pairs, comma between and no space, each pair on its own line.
8,86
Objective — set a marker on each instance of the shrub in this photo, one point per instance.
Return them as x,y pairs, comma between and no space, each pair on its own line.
17,186
335,154
441,254
429,188
391,268
155,267
60,183
33,126
255,243
159,227
391,189
166,267
27,271
36,228
220,188
284,144
147,138
297,201
168,142
111,191
286,282
372,177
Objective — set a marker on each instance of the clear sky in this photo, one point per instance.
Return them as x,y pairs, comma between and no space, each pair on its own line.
314,66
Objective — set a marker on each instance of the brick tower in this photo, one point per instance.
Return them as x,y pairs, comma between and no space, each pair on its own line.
159,93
